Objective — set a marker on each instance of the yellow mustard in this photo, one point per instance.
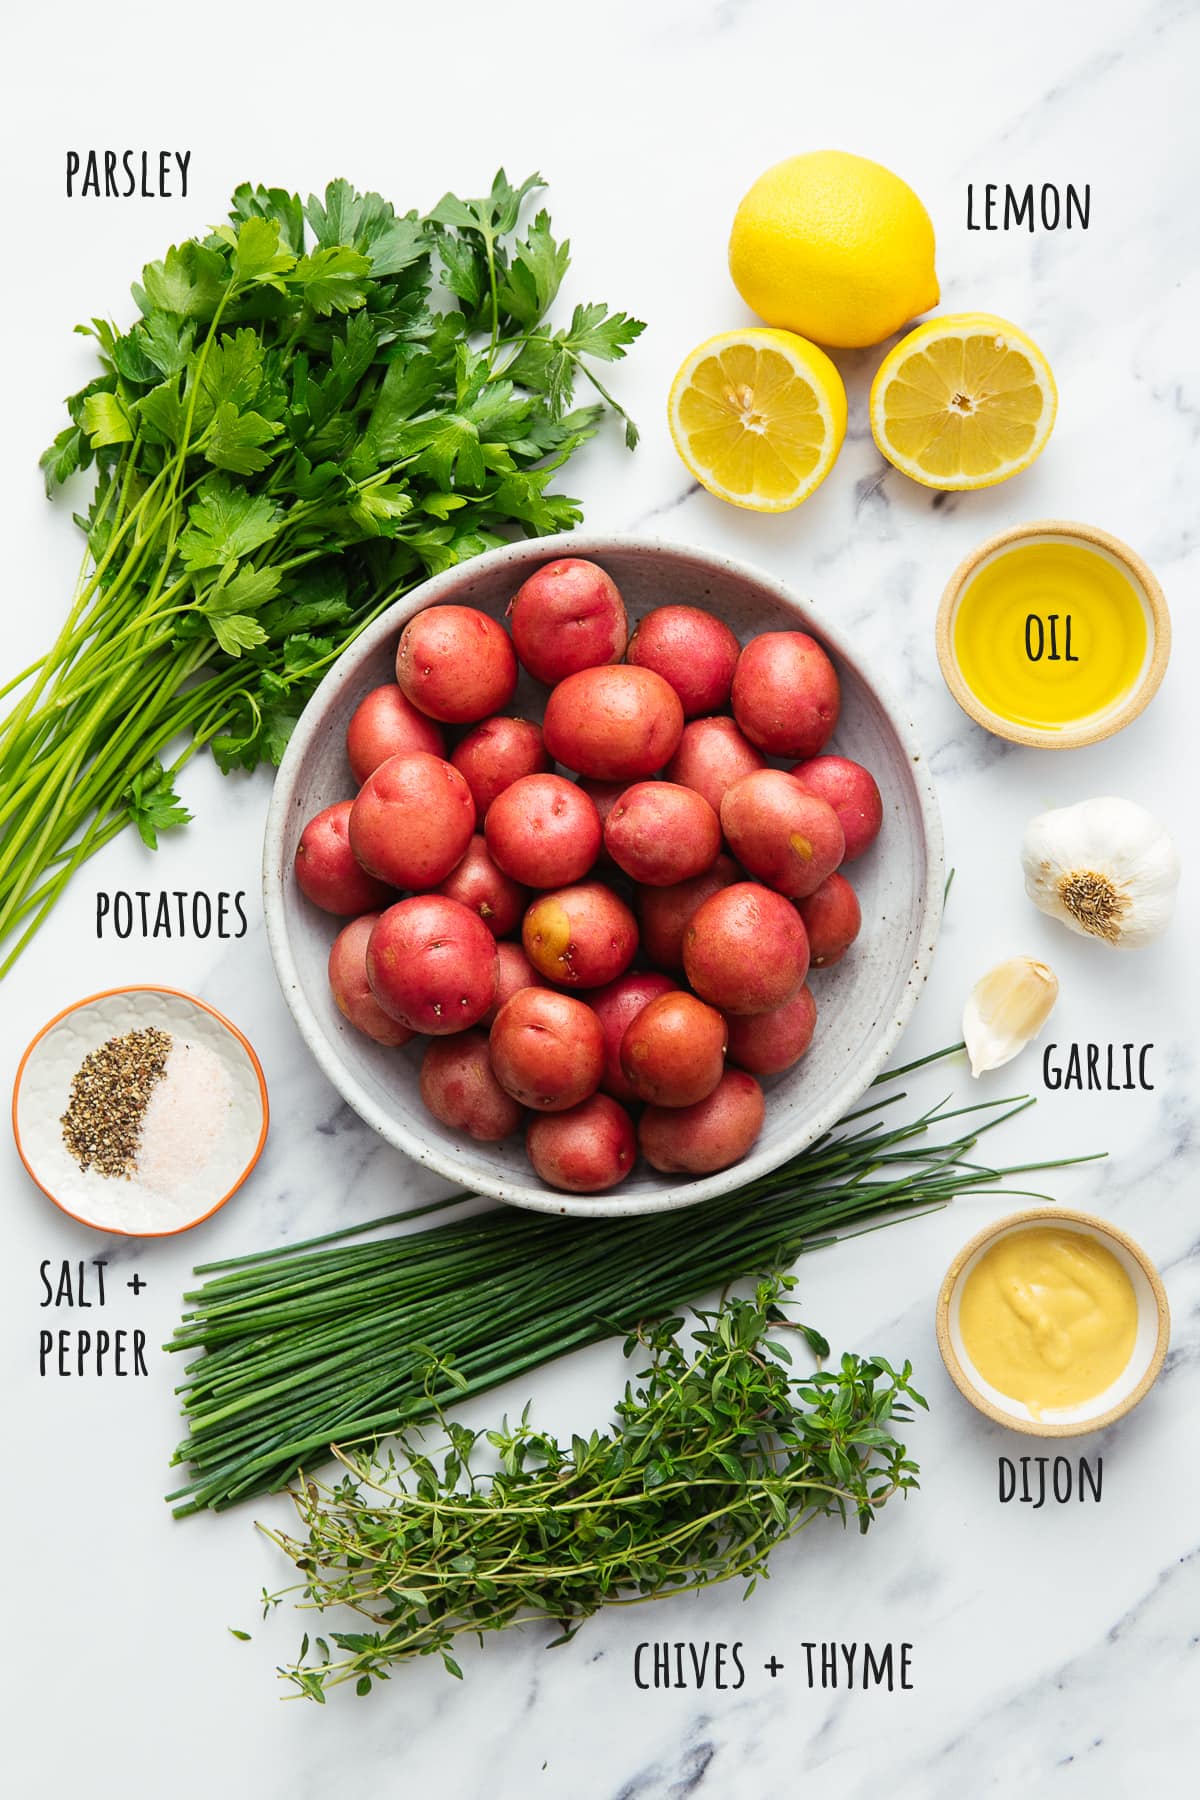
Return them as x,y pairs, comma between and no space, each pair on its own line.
1049,633
1049,1317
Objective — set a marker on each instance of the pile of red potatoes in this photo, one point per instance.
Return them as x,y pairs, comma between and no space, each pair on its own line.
632,942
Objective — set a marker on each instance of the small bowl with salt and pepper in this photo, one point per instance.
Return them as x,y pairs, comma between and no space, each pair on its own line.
140,1111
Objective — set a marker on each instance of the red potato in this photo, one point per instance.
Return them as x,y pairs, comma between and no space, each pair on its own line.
568,616
617,1006
516,972
663,913
547,1049
696,653
495,754
613,724
386,724
327,870
585,1150
580,936
832,918
786,695
456,664
459,1089
767,1043
487,890
543,831
673,1053
712,755
851,791
352,991
745,949
788,839
432,964
714,1133
662,834
412,821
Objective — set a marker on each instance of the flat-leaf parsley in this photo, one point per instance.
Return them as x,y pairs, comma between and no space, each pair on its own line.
320,405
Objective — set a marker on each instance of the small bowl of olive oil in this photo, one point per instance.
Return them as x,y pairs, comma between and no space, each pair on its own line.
1053,634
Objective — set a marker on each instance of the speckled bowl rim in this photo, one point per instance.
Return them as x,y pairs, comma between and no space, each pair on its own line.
142,987
1086,731
1057,1215
546,1199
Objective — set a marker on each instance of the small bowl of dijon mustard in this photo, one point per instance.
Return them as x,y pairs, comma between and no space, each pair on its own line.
1053,1322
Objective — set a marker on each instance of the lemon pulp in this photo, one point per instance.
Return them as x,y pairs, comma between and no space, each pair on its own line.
963,401
1050,633
758,417
1048,1317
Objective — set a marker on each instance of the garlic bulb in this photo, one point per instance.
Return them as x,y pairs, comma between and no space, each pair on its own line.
1106,868
1005,1009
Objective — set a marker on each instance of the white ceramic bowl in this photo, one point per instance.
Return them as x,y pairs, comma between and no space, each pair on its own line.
1135,1379
42,1090
863,1003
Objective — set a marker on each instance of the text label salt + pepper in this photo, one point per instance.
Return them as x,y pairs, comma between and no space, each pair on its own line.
75,1353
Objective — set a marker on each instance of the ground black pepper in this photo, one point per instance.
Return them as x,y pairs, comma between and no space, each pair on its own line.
110,1092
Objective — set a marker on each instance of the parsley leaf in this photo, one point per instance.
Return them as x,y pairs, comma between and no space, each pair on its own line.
106,421
259,255
535,275
152,803
594,331
272,203
65,455
226,522
234,631
164,341
234,438
233,371
189,281
333,279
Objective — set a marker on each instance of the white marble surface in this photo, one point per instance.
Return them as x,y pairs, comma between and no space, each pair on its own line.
1054,1652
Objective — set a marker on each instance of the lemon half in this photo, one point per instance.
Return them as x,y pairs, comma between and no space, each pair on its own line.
963,402
758,416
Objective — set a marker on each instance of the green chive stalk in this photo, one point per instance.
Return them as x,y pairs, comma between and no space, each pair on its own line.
332,1342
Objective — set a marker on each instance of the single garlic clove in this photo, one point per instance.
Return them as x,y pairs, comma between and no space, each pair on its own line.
1005,1009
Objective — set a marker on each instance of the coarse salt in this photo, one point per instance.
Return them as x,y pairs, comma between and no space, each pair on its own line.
186,1117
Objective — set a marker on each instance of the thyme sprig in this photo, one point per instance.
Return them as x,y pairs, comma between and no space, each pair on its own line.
719,1454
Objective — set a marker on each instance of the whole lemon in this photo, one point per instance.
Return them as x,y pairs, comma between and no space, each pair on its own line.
834,247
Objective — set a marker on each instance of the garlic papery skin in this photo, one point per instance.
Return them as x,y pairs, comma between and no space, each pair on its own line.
1107,868
1005,1010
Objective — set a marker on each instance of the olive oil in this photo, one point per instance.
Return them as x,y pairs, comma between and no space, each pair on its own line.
1049,633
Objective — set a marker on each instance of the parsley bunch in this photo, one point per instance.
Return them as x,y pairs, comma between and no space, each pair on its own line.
320,405
718,1456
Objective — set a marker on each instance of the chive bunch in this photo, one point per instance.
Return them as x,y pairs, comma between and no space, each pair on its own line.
330,1342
